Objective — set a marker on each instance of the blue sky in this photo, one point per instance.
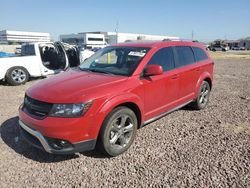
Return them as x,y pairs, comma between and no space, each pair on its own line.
209,19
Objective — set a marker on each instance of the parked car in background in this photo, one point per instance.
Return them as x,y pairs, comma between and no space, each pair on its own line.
36,60
235,48
219,48
85,54
18,50
110,95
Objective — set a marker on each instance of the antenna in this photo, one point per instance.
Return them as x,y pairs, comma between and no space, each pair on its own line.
192,34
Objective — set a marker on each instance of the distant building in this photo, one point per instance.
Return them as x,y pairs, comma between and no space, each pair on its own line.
89,40
113,37
9,37
101,38
245,43
232,43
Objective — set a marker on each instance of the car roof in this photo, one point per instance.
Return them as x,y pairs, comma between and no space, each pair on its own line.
151,44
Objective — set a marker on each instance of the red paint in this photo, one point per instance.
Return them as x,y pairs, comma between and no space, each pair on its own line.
153,70
153,95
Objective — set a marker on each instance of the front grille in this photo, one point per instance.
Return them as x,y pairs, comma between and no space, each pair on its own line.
35,108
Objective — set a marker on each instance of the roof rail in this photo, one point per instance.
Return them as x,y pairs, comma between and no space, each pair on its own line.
184,40
166,40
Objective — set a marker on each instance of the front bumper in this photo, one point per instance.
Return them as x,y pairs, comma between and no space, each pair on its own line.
36,139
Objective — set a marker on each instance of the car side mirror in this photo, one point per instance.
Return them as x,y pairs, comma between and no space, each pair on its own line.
153,70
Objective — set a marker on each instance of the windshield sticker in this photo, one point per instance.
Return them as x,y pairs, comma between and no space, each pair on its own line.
140,54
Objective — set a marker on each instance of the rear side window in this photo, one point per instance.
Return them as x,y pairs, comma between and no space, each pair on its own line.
185,55
163,57
199,54
28,50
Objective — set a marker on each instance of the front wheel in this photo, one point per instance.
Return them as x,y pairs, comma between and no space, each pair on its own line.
118,131
203,96
17,76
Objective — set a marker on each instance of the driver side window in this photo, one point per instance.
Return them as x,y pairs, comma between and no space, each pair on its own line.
163,57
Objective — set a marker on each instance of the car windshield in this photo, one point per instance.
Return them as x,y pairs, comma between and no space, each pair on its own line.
115,60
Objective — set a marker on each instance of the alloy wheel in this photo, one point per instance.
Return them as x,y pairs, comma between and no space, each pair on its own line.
203,97
18,75
121,132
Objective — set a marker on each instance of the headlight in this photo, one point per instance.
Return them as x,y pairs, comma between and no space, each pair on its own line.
70,110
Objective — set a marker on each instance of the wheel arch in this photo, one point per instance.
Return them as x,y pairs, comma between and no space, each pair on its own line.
204,77
8,75
208,79
134,107
16,67
128,100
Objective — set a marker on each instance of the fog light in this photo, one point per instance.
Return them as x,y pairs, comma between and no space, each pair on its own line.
58,144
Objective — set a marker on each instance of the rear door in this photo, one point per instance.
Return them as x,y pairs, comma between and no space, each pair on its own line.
73,54
53,58
188,72
62,56
161,91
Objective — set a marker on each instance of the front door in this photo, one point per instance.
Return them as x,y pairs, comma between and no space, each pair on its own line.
161,91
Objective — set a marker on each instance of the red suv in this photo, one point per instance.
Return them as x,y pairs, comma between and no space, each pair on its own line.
113,93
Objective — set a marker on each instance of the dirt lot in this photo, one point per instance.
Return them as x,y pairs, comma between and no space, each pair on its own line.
236,55
186,148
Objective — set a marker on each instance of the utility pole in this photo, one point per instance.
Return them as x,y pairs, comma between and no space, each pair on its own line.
116,30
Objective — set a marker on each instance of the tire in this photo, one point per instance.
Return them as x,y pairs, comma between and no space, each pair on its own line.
17,76
203,96
118,131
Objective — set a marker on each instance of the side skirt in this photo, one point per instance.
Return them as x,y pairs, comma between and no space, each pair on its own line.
164,114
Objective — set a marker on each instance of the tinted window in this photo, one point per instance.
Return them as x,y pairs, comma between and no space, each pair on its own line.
163,57
95,39
185,55
28,50
199,54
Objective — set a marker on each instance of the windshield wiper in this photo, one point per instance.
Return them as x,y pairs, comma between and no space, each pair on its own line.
96,70
101,71
84,69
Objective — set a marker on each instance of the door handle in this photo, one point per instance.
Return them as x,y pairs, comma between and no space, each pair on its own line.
175,76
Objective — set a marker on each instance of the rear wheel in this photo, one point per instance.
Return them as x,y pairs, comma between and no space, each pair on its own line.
17,76
203,96
118,131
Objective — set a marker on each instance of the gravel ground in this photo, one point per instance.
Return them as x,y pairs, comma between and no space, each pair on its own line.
208,148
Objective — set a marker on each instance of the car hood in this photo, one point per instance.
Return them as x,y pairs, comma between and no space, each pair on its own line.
72,86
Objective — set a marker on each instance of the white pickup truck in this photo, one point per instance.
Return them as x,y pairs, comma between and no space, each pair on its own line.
37,60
